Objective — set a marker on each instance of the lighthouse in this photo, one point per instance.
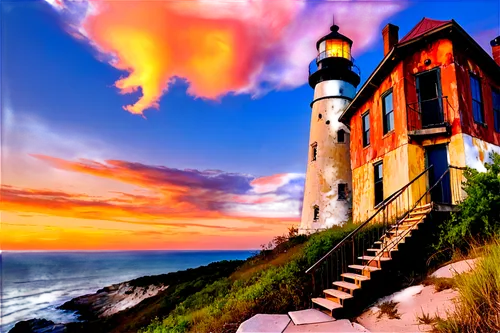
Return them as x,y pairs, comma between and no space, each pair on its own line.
334,78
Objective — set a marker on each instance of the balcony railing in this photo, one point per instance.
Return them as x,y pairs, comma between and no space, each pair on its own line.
313,65
430,113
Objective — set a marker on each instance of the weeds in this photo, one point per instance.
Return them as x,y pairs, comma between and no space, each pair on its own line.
426,319
440,283
388,308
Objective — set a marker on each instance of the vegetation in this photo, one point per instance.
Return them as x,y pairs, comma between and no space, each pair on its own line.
272,282
388,308
478,219
440,284
478,308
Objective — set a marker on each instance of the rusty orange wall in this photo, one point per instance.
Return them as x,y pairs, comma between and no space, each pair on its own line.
380,144
464,66
440,53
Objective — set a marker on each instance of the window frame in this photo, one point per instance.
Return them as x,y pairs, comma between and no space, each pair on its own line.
366,142
379,181
383,97
314,151
473,76
496,112
315,213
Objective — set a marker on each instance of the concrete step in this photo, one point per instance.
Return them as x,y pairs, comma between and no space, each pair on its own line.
356,277
327,304
364,268
337,294
346,285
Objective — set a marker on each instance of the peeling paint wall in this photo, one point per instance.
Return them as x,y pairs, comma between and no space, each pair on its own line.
465,66
332,164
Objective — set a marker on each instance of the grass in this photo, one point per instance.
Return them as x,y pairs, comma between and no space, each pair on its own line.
272,282
426,319
388,308
478,306
440,283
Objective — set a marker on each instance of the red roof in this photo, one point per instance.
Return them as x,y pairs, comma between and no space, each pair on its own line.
422,27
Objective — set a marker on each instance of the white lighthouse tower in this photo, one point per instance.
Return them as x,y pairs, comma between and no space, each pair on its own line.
329,179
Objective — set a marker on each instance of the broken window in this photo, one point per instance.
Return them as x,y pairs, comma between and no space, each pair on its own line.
316,213
342,191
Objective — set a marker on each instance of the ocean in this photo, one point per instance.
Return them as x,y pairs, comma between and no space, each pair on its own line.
33,284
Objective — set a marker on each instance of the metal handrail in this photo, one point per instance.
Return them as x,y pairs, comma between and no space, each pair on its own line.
415,107
355,231
313,65
402,219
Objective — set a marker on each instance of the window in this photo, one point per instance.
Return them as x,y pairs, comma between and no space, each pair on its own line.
342,194
496,108
316,213
365,118
314,151
341,136
477,100
388,112
379,184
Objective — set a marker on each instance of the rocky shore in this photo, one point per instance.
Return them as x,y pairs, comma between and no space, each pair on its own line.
127,306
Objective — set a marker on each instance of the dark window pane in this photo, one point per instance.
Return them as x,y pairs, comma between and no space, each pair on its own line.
366,129
379,184
477,102
496,110
388,114
341,136
316,213
342,191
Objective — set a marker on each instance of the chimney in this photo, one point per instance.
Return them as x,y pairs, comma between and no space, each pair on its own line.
390,34
495,49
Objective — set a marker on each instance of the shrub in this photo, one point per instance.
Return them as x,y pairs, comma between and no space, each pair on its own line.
478,217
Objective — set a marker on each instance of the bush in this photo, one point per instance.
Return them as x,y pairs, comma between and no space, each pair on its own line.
478,218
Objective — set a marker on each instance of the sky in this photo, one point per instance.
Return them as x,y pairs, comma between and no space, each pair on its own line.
138,125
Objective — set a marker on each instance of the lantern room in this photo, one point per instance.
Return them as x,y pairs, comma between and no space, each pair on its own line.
334,60
334,45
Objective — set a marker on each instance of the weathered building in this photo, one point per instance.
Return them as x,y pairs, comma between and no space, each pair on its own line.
328,179
433,100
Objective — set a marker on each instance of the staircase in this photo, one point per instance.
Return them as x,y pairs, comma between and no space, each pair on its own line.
371,262
340,275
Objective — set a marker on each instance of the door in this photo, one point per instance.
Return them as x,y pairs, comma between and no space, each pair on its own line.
437,156
429,98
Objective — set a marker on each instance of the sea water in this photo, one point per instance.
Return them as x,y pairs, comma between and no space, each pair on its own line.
34,284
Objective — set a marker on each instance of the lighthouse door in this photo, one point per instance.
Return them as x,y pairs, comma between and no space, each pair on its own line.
437,156
429,98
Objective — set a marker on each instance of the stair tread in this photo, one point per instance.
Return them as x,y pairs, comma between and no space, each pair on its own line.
347,285
364,268
337,293
330,305
376,250
374,258
355,276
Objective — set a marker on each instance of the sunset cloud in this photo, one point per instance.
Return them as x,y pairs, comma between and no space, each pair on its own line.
217,47
170,194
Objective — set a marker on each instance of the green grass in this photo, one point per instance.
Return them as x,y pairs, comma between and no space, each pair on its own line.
478,306
271,282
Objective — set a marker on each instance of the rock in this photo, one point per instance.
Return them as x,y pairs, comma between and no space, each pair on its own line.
110,300
264,323
455,268
38,326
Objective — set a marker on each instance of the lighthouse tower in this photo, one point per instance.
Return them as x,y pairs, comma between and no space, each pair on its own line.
334,79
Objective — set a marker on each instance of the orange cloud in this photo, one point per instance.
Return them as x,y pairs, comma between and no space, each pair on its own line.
217,47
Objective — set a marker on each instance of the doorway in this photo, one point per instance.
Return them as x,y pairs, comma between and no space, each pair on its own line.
437,156
429,98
